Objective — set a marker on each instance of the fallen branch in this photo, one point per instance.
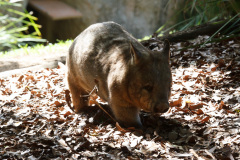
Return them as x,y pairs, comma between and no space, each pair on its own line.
194,32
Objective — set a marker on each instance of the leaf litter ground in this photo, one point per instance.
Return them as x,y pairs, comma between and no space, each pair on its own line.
37,122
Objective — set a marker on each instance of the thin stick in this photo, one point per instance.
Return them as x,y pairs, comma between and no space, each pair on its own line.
103,110
95,90
195,154
210,154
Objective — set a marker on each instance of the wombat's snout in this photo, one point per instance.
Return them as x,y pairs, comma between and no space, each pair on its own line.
161,108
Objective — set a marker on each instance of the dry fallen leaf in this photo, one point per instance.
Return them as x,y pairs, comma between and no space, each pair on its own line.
37,121
177,103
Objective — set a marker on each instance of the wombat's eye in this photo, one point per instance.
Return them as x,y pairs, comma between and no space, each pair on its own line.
148,88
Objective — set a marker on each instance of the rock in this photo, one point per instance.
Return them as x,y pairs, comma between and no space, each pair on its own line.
140,18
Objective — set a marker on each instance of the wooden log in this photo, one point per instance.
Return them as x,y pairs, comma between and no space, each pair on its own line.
194,32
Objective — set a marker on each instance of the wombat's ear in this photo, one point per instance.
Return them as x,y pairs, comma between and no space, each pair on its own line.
135,54
166,49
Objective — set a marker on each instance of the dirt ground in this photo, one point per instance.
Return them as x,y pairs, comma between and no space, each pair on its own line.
19,62
37,120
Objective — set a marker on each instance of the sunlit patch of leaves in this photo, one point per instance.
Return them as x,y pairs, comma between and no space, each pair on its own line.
37,121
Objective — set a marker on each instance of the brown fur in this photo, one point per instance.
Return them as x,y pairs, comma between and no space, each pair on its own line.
130,77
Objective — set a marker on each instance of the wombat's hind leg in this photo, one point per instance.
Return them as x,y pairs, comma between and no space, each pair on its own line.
79,97
127,116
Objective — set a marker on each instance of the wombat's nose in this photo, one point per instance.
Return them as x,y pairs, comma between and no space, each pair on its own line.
161,108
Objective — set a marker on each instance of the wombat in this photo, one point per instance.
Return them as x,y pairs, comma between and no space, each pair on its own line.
129,76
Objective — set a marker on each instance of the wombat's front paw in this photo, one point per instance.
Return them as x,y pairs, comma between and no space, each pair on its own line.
81,108
79,103
131,120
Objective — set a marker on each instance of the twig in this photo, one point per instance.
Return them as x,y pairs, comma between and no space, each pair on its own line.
63,143
95,90
41,127
195,154
104,110
210,154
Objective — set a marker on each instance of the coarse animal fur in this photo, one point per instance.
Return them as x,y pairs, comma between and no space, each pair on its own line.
130,77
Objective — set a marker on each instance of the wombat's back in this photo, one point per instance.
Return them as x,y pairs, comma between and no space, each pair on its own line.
100,35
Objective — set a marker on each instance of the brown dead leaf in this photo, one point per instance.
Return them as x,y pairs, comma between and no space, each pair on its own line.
186,77
30,77
204,120
39,95
199,111
192,106
7,91
33,92
21,78
187,92
221,63
61,108
223,106
177,103
68,113
48,86
58,104
214,69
